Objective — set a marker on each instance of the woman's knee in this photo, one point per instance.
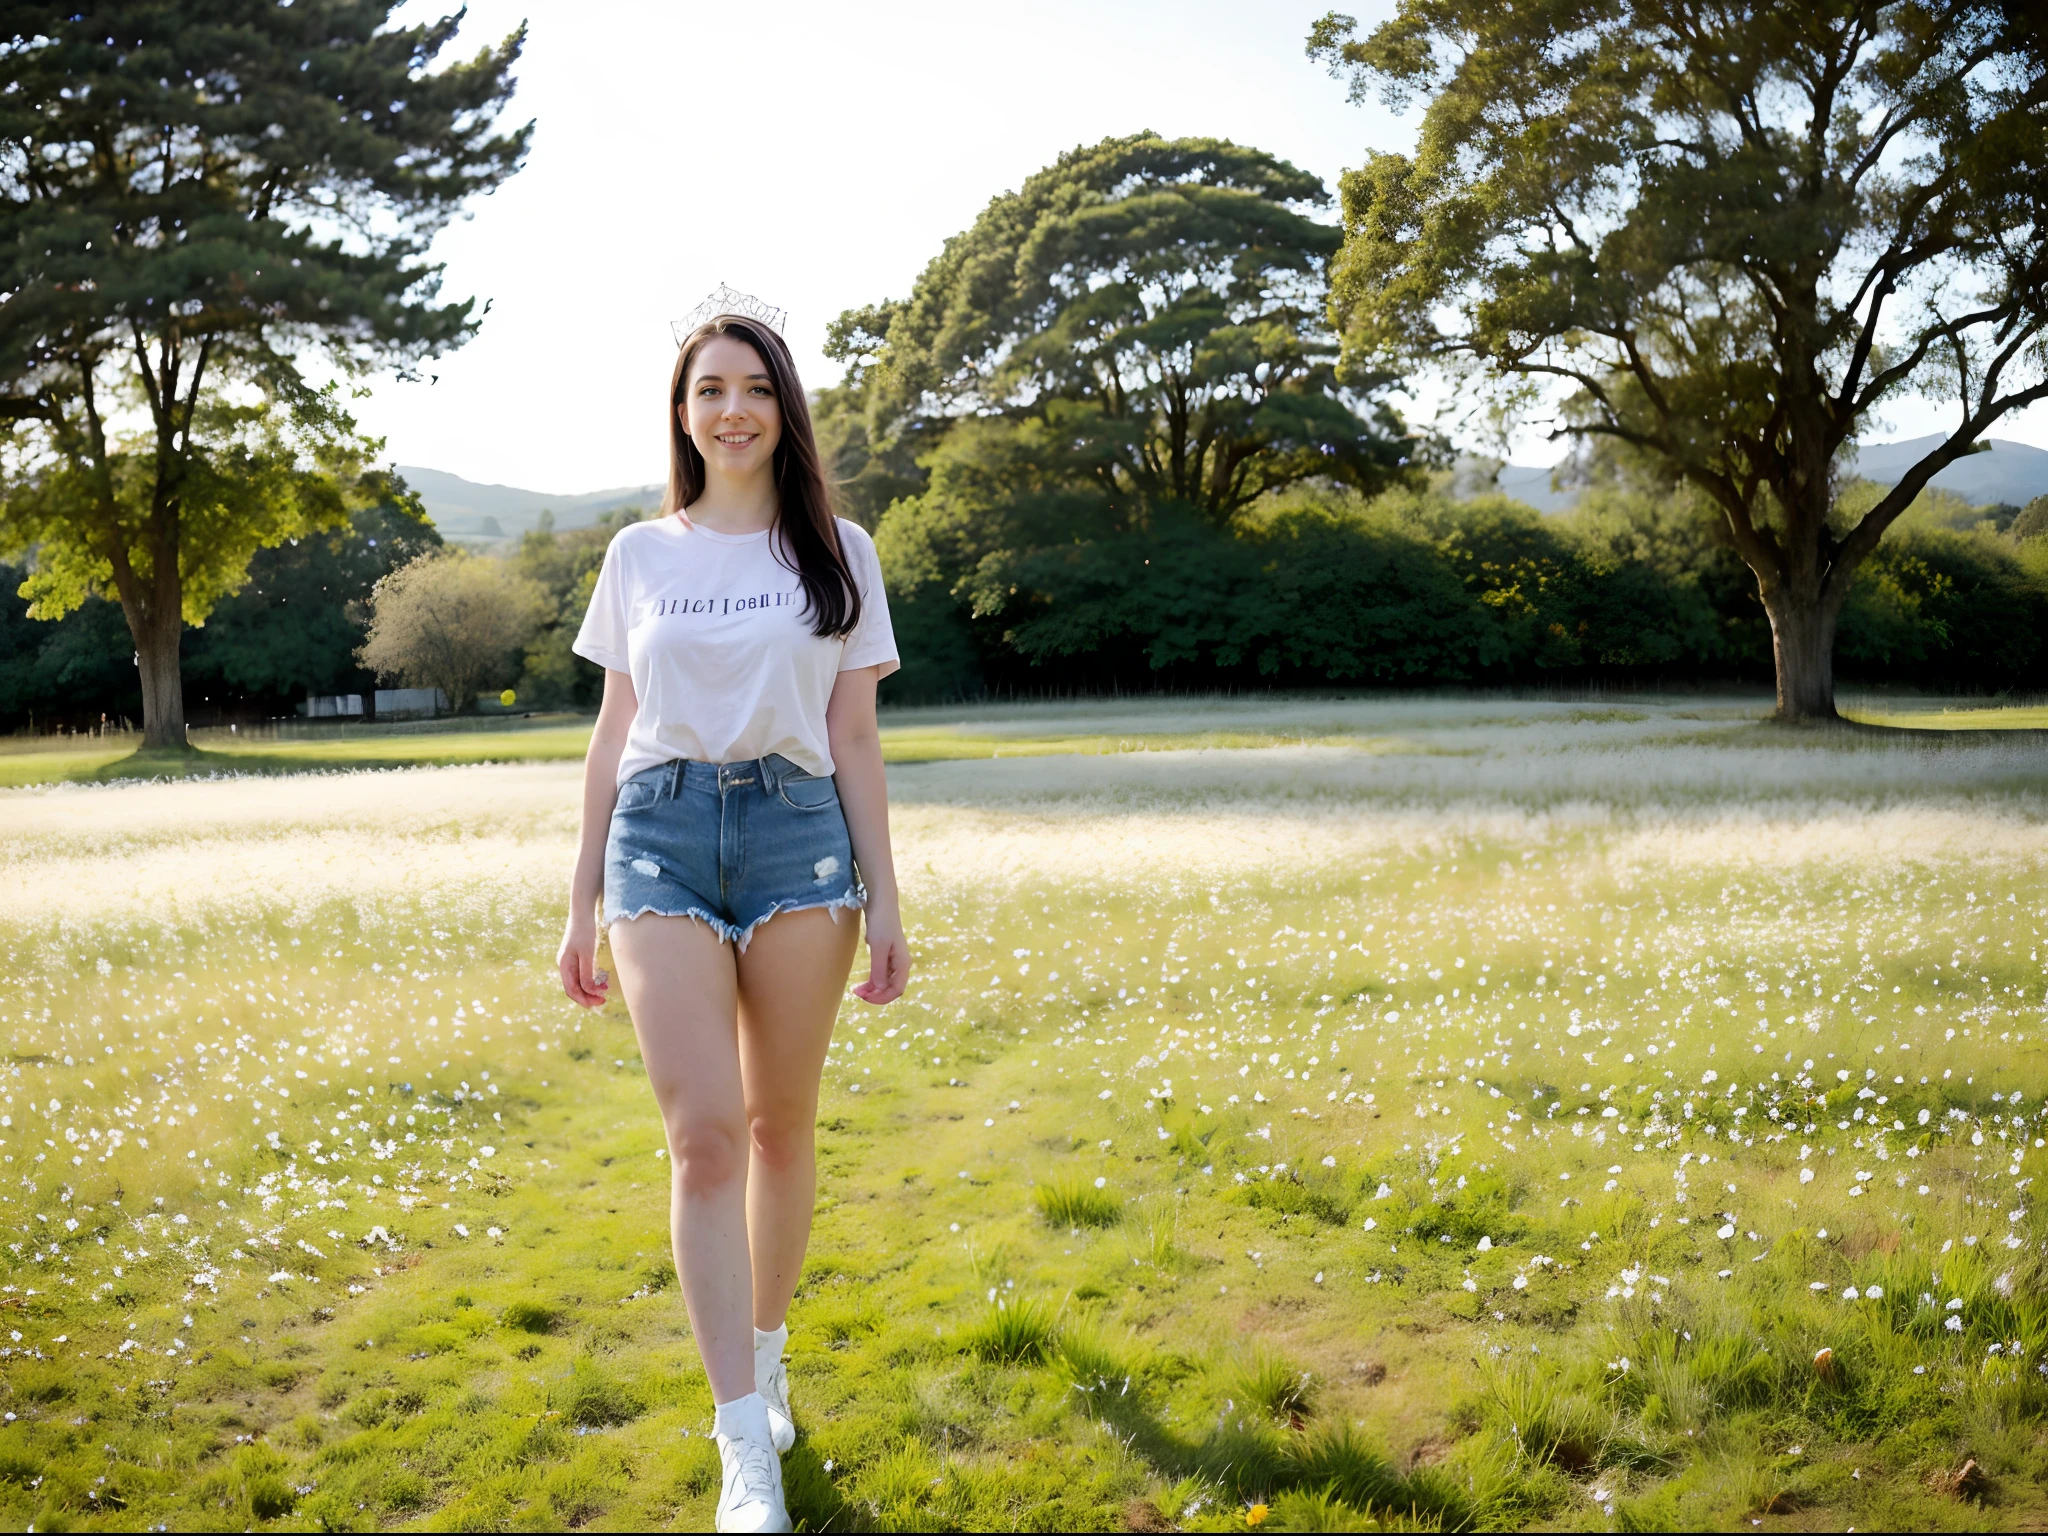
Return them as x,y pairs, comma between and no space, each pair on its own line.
780,1140
708,1156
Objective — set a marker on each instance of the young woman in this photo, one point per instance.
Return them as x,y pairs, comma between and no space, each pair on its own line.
734,777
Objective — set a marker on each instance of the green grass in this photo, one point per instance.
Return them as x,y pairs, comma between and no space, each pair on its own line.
1012,1332
927,744
1958,717
1273,1385
1392,727
48,760
44,760
1071,1200
1418,1125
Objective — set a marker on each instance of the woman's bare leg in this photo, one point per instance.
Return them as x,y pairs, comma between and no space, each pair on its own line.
791,980
681,989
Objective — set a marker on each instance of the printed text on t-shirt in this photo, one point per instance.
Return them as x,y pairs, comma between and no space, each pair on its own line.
664,606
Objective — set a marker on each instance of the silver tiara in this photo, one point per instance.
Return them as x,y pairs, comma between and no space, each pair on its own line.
728,301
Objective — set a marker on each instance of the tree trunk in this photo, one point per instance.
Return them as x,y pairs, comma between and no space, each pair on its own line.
157,639
1803,649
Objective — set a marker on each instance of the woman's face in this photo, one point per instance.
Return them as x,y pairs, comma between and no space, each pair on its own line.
729,408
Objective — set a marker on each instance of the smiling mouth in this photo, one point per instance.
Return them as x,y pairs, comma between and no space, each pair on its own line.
737,439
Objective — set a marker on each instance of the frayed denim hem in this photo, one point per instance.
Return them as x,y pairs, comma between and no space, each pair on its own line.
855,899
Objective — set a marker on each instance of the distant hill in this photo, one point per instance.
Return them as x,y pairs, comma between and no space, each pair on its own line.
2006,471
471,513
479,514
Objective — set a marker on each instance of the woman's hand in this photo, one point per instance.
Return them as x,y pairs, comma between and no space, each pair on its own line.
576,961
888,957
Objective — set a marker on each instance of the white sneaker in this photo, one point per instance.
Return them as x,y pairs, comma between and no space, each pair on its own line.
750,1497
771,1380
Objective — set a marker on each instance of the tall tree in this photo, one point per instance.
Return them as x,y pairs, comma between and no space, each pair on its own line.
451,620
1160,302
1733,231
293,629
194,198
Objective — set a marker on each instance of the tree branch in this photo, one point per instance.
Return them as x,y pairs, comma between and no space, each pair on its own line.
1856,546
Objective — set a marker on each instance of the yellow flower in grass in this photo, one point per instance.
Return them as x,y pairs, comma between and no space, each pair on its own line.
1256,1515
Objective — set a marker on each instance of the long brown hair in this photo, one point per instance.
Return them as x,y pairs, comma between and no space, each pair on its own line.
806,531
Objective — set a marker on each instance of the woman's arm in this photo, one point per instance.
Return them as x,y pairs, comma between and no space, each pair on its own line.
576,960
864,795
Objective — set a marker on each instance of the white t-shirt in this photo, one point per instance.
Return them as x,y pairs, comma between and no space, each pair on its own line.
717,637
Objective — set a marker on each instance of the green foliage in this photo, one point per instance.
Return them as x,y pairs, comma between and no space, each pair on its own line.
217,189
1012,1331
82,665
1269,1383
594,1398
265,473
1289,1194
1071,1200
529,1317
1545,1416
1933,604
866,474
271,1497
1704,228
1410,587
451,620
293,629
1091,1366
2032,520
1155,305
563,566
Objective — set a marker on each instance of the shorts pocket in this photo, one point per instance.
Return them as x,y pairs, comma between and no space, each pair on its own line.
808,792
636,794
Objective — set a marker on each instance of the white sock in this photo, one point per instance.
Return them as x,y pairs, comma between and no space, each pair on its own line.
744,1418
768,1347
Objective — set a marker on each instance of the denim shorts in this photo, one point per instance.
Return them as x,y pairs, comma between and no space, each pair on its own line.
730,844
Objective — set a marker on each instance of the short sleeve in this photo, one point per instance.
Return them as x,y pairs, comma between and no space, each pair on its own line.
602,638
873,641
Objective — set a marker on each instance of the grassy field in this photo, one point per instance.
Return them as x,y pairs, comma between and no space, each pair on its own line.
932,734
2010,717
1481,1115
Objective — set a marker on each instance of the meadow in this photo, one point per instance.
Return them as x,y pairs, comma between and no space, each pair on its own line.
1424,1114
919,735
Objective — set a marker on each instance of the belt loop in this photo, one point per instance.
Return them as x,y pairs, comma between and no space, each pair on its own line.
770,779
675,778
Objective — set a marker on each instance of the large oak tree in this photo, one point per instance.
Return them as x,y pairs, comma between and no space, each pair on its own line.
1156,305
197,196
1733,231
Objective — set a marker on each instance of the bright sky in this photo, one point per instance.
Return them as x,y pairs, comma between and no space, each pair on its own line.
818,155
